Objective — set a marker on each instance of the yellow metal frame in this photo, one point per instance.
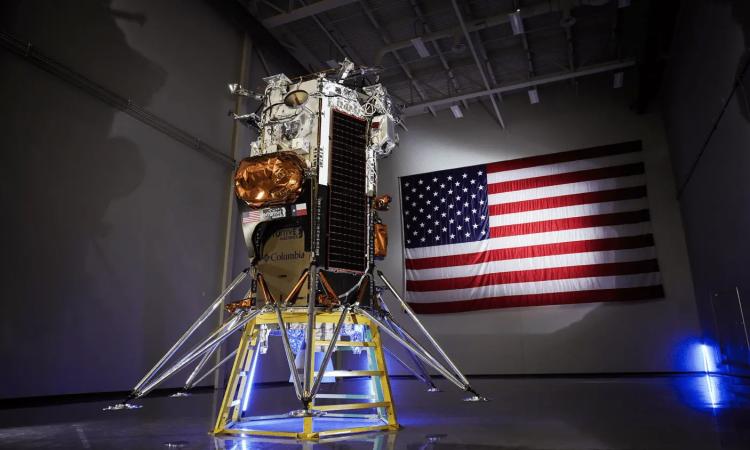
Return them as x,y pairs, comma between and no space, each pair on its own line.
379,440
230,421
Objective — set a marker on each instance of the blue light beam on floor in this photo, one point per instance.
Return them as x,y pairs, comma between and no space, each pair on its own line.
705,351
250,378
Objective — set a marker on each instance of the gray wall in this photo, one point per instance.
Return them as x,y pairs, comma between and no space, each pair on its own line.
709,52
643,336
112,239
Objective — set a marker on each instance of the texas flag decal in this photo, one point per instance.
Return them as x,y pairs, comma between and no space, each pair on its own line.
299,209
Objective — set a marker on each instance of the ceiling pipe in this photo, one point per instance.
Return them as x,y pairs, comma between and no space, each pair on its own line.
536,81
479,63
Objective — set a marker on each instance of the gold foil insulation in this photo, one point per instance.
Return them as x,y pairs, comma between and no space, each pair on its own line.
270,180
245,303
381,240
329,299
382,202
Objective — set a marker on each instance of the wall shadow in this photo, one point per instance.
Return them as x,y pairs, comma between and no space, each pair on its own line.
741,15
61,171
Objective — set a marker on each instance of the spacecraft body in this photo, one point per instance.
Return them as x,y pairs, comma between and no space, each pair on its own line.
308,203
306,193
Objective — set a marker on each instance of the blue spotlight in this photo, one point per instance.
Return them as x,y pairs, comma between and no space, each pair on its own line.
705,351
250,378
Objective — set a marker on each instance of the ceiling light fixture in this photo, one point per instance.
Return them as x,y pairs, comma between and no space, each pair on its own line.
456,110
419,46
618,80
533,96
516,22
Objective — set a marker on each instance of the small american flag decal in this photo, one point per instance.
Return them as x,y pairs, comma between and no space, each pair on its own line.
251,216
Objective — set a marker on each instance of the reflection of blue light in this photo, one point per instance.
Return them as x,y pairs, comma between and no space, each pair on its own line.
709,381
250,378
705,351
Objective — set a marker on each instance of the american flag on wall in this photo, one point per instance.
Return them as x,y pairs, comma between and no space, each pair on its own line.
561,228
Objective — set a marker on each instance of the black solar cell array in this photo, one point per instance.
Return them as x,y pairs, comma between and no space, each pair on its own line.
347,219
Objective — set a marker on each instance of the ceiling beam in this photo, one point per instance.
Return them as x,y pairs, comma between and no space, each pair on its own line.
487,65
567,22
345,49
275,39
303,12
301,52
387,40
527,49
448,71
239,14
536,81
460,17
464,61
475,25
571,48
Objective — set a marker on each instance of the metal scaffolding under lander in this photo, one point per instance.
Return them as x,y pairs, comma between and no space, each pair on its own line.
320,414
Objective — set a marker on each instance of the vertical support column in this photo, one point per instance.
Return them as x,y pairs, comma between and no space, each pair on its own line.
233,393
372,364
307,425
310,330
383,380
231,221
245,374
309,372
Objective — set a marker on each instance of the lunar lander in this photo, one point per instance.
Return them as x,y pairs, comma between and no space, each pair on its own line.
309,206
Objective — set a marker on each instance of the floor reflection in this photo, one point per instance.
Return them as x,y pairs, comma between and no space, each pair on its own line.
370,441
525,413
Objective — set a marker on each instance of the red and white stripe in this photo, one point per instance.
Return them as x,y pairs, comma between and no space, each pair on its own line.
251,216
565,228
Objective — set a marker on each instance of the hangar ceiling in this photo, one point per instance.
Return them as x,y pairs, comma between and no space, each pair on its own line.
440,53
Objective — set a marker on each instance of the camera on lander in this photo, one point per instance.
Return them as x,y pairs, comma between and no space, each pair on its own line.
309,207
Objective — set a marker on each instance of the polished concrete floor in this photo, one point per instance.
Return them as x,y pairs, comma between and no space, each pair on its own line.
678,412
